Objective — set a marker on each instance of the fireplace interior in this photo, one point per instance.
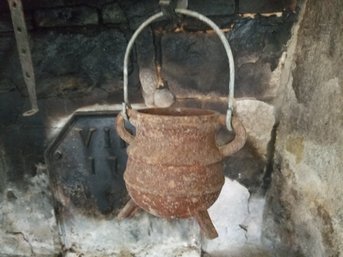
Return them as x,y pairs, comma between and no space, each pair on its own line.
61,169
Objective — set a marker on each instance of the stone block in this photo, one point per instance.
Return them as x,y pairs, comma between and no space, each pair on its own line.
141,235
185,59
227,213
248,166
71,64
138,11
146,47
32,5
28,223
263,6
3,170
163,98
212,8
7,48
38,4
305,201
223,22
11,103
66,16
258,119
253,79
113,14
6,24
257,46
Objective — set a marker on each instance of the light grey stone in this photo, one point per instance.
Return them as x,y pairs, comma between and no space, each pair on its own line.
28,224
148,99
163,98
142,235
258,118
147,69
227,213
148,80
305,204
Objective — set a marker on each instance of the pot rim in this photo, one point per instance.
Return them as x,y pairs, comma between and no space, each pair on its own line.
174,113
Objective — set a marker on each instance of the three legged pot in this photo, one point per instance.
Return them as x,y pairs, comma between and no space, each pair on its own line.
174,167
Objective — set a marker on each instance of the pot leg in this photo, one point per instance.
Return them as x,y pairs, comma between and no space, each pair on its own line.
206,224
129,210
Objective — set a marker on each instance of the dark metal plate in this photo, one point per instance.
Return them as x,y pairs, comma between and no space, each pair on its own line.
86,163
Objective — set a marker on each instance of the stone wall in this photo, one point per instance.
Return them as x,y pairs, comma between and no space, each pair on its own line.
305,206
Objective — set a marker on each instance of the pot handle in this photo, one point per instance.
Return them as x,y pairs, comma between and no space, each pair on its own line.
222,38
122,131
240,137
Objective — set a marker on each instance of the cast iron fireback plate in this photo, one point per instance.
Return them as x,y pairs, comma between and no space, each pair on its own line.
86,162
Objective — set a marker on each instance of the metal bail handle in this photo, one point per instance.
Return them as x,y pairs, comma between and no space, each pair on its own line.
222,39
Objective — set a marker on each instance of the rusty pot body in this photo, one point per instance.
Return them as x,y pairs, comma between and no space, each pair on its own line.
174,167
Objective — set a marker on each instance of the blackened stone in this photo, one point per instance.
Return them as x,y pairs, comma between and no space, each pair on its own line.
4,8
72,64
31,5
138,11
248,35
263,6
24,139
257,45
3,170
112,13
208,8
253,79
192,24
247,167
6,24
68,16
185,64
11,104
7,49
24,147
11,197
266,36
37,4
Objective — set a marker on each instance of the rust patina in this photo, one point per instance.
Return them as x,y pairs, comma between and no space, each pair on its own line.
174,167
